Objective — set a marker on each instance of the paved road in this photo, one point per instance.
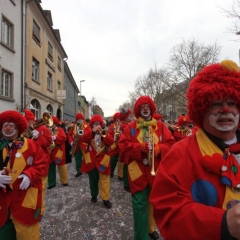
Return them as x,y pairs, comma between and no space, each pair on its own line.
70,215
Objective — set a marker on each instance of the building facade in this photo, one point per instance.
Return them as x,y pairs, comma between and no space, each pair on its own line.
70,107
12,50
44,62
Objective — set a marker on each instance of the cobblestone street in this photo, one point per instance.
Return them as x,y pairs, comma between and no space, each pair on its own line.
70,215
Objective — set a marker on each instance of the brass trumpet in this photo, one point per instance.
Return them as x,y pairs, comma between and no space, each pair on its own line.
46,119
151,153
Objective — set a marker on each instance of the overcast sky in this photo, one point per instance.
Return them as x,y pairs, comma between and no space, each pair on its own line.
110,43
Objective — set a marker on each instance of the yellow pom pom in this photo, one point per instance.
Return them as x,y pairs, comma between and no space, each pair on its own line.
230,65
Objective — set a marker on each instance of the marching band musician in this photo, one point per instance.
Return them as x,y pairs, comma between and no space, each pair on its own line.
114,130
22,164
144,139
96,161
125,118
181,129
195,194
57,156
80,125
42,135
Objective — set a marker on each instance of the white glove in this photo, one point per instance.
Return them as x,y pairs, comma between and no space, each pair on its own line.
35,134
53,138
25,182
4,179
71,144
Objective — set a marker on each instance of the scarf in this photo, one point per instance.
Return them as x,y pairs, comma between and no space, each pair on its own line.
220,158
18,142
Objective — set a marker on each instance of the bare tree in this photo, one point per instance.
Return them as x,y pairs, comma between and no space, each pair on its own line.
234,13
188,57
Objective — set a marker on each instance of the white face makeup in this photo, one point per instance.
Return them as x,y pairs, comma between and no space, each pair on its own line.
9,131
224,122
222,119
145,112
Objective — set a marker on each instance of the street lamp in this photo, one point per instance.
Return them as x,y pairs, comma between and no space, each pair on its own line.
80,86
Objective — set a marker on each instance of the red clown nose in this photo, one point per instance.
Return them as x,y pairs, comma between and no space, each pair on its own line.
225,110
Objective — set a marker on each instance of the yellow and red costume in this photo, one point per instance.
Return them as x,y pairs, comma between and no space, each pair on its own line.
198,181
58,156
44,140
72,135
20,206
134,140
96,161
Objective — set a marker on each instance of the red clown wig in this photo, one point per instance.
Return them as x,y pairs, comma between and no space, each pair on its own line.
144,100
116,116
96,118
28,114
183,120
124,114
214,82
15,117
79,116
56,120
157,116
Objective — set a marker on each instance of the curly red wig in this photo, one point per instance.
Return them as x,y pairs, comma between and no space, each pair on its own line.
183,120
96,118
15,117
214,82
28,114
144,100
157,116
79,116
124,114
56,120
116,116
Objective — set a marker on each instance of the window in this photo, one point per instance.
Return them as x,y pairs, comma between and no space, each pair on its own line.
36,32
6,84
58,85
59,64
7,33
35,70
50,109
50,51
36,108
49,81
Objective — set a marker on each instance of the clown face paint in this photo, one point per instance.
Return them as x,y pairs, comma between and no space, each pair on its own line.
145,112
222,119
9,131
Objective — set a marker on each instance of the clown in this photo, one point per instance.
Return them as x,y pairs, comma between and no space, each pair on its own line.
200,176
141,139
76,130
96,162
125,118
42,135
114,131
22,162
57,156
181,129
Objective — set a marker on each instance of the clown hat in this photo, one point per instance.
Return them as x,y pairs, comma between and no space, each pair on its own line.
79,116
28,114
125,112
56,120
116,116
15,117
219,81
96,118
144,100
